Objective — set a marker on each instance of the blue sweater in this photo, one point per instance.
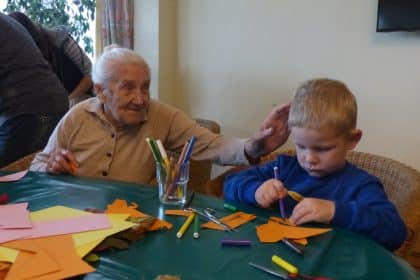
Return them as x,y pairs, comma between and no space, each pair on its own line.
361,204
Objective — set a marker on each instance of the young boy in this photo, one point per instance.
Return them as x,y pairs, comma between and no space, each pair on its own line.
322,121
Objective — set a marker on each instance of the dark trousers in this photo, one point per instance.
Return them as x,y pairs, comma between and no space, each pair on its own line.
25,134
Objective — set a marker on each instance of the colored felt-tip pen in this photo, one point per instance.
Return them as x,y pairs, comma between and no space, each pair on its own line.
230,242
292,246
196,227
281,203
229,207
184,227
284,264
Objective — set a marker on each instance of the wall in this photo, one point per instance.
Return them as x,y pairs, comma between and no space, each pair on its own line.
231,61
155,39
238,58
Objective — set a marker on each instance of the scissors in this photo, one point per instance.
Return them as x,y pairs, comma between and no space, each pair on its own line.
207,215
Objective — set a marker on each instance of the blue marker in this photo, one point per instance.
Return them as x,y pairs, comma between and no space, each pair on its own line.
281,203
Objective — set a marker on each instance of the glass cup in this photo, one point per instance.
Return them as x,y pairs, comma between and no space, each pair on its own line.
172,180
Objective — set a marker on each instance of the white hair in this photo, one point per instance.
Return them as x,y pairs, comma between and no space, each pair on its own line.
114,55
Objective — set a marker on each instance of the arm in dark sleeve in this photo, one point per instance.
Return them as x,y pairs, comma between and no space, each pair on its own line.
241,186
372,214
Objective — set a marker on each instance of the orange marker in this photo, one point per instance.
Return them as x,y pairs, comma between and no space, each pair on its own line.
73,167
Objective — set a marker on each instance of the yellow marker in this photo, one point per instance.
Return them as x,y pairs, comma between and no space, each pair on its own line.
184,227
285,265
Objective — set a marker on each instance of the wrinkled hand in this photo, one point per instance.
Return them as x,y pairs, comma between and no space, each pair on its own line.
273,133
269,192
313,210
61,161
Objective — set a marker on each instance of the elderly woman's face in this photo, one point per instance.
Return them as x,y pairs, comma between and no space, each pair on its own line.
126,100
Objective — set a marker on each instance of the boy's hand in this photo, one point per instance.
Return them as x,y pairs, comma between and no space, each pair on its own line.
61,161
269,192
313,210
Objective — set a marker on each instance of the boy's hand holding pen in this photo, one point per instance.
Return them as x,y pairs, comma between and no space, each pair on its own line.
269,192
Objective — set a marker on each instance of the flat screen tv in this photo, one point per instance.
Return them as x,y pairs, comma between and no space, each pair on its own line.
398,15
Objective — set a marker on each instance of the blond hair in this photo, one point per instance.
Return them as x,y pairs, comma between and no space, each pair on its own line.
320,103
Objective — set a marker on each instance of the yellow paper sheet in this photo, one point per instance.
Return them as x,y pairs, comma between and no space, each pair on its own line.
86,241
7,254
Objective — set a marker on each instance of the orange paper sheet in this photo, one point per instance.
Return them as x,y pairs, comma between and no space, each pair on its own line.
120,206
177,212
46,258
233,220
274,232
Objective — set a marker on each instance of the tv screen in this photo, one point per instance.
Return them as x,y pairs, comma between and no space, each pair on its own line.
398,15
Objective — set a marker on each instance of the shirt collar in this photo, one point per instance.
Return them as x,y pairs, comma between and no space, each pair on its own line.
95,106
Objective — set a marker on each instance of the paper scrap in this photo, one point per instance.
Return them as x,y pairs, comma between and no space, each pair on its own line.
14,176
233,220
274,232
14,216
177,212
121,206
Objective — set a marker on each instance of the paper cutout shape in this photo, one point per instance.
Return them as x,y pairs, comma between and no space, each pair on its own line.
233,220
121,206
14,176
14,216
274,232
47,258
177,212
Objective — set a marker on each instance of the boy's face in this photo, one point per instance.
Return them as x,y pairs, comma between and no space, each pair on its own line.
322,151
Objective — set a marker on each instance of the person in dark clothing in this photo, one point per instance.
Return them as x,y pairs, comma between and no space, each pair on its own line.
32,98
66,58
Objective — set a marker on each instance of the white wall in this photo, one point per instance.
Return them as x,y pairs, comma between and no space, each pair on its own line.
146,37
232,60
237,58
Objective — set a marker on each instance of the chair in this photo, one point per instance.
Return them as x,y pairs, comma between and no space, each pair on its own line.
20,164
401,183
200,171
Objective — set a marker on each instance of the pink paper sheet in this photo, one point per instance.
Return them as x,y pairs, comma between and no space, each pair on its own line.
15,216
13,177
57,227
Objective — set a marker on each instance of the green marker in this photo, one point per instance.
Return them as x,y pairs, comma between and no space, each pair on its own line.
229,207
196,226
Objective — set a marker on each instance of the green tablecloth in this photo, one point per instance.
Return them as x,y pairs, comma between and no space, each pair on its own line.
339,254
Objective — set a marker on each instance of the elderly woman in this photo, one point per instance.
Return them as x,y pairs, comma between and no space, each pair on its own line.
104,136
